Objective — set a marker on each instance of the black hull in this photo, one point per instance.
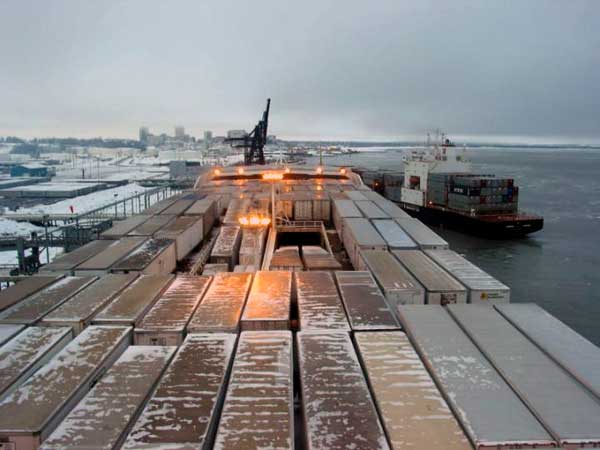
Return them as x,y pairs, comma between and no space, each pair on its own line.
516,227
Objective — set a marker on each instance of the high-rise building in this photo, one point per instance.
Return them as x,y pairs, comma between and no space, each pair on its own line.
207,139
179,132
236,134
144,134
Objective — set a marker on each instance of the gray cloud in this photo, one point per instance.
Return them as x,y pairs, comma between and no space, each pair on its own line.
379,69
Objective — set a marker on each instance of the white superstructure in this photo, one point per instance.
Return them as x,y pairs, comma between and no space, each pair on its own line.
441,157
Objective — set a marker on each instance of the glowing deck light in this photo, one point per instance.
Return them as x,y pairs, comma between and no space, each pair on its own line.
319,170
240,171
254,220
217,172
272,176
287,170
343,171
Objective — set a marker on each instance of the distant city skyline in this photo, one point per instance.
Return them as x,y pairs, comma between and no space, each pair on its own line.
336,70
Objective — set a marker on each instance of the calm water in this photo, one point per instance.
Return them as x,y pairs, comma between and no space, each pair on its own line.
558,267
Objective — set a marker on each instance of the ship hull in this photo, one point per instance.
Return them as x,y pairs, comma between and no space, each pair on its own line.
490,227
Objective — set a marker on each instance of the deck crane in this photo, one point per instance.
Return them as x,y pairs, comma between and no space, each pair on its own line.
254,142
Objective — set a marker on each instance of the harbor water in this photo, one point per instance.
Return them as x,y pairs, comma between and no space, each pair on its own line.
557,267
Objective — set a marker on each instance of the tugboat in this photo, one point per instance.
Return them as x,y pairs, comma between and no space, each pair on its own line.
440,189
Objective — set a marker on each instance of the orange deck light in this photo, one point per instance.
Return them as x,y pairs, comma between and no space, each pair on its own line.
272,176
319,170
217,172
287,170
343,171
240,171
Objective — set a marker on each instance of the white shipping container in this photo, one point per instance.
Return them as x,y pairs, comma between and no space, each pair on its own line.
78,311
422,234
194,388
319,304
337,407
8,331
227,246
395,237
33,410
153,257
398,286
269,302
359,235
259,408
222,306
492,415
186,231
413,412
27,352
482,287
105,416
343,209
370,210
165,322
440,287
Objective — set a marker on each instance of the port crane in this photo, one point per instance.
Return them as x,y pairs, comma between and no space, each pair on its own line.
254,142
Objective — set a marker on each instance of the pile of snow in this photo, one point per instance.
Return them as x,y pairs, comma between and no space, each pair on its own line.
87,202
18,229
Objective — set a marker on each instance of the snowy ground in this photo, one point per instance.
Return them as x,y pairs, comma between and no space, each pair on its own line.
19,229
84,203
9,257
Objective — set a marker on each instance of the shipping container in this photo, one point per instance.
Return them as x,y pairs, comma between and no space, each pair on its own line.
193,387
343,209
244,269
35,307
153,257
365,305
178,208
27,352
411,408
355,195
227,246
235,209
34,409
482,287
422,234
337,408
319,304
160,206
317,258
78,311
24,288
222,306
134,301
321,206
8,331
491,414
360,235
370,210
258,412
286,258
440,287
67,262
106,414
285,205
105,259
211,269
165,323
560,402
120,228
391,209
186,231
303,206
151,226
269,302
573,352
398,286
252,246
395,237
207,208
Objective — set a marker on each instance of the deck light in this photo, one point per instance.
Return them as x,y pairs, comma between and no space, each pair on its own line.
272,176
254,220
287,170
217,172
240,171
319,170
343,171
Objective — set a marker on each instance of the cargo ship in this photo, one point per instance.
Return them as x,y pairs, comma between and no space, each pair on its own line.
439,187
284,307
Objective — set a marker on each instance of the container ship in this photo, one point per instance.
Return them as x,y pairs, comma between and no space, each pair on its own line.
439,187
284,307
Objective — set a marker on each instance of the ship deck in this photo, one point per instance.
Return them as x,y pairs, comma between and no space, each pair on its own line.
286,307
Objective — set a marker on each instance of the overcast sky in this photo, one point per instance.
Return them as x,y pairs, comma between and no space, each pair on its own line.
379,69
